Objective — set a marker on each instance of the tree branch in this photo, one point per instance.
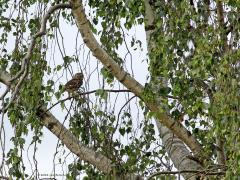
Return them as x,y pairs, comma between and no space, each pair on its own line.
199,172
73,144
85,93
129,82
94,91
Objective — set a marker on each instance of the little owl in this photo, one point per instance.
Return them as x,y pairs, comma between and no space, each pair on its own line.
74,84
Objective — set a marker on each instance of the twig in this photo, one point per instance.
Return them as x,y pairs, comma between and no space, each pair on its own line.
118,117
205,172
4,177
94,91
84,93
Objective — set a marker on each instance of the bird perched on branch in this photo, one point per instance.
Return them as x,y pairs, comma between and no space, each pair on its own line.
74,84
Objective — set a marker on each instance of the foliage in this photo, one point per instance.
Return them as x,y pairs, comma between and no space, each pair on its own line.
202,68
193,59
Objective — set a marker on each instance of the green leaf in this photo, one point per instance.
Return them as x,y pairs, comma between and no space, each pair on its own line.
122,131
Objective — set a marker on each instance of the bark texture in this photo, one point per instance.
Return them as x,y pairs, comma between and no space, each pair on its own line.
176,149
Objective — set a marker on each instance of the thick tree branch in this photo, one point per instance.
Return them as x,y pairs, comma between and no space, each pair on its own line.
73,144
129,82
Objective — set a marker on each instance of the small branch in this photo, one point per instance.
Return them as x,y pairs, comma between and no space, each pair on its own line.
15,90
94,91
118,117
107,90
85,93
4,177
205,172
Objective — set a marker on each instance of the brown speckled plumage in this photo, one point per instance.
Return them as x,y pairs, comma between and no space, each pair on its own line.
75,83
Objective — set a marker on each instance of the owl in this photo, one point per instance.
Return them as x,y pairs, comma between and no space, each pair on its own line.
74,84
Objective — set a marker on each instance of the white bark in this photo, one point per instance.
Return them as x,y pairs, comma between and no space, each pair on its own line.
73,144
175,147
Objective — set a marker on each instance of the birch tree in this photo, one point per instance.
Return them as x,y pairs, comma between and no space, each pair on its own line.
181,120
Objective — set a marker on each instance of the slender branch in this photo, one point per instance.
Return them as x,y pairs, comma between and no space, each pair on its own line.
15,90
40,33
94,91
4,177
106,90
205,172
118,116
85,93
120,90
